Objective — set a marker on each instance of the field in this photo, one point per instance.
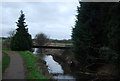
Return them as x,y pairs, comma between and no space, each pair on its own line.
61,44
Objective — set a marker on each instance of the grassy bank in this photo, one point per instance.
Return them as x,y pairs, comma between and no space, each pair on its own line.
31,65
5,61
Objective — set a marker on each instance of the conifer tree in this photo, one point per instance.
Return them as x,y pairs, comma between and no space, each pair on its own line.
90,32
22,39
114,33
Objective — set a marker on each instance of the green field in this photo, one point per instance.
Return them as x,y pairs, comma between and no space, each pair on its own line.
61,44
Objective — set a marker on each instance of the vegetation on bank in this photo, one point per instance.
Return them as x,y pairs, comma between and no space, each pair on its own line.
5,61
31,65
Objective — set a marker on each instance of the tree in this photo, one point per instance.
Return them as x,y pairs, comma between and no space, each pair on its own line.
91,31
11,33
22,39
41,39
7,41
85,34
114,33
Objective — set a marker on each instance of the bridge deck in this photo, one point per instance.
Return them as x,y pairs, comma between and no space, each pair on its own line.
52,47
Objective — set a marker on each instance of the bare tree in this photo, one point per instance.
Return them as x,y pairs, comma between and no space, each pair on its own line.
41,39
6,43
11,33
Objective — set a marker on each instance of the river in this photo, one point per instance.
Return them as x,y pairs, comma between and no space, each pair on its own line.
55,68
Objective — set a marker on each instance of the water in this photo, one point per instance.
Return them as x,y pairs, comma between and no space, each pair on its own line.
55,68
65,77
35,51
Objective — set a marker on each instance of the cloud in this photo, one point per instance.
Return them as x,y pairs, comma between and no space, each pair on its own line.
39,0
53,18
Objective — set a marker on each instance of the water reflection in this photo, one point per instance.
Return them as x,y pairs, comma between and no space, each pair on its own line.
65,77
55,68
35,51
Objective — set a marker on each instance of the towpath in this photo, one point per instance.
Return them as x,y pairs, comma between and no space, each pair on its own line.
16,67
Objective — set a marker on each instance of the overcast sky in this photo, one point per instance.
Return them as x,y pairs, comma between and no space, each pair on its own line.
55,19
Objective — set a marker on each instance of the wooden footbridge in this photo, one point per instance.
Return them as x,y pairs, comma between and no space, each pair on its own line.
52,47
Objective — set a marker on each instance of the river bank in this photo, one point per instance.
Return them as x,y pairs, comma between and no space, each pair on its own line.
32,70
71,66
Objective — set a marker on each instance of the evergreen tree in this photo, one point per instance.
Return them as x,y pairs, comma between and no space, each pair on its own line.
90,31
22,39
114,33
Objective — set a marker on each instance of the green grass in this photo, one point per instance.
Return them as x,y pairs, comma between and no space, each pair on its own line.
2,40
5,61
6,49
31,65
62,44
0,70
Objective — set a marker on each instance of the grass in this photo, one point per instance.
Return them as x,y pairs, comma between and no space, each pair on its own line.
31,64
6,49
62,44
0,70
1,40
5,61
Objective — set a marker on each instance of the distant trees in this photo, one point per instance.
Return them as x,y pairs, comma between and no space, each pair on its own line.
22,39
11,33
41,39
97,26
6,43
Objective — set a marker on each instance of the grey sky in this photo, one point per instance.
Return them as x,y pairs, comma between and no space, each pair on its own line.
100,0
52,18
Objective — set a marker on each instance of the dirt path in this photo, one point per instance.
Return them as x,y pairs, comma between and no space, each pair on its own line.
16,67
